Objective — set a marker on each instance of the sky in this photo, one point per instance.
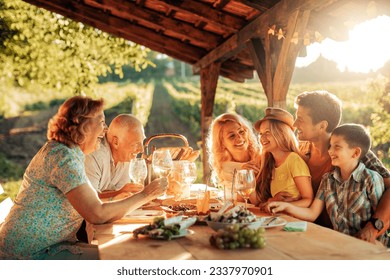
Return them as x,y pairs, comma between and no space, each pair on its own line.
367,49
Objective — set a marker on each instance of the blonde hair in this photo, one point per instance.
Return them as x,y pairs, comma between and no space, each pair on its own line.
217,152
69,125
287,142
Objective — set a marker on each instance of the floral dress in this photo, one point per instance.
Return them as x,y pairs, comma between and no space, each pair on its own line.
42,221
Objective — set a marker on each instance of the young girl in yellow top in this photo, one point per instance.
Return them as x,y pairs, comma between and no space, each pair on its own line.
284,174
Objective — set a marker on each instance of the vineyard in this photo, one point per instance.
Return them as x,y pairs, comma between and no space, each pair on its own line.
248,99
22,109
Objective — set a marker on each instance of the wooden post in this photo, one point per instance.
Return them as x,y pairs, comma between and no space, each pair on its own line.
287,57
275,68
208,85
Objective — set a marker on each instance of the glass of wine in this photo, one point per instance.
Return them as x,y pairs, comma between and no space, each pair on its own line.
245,183
162,165
138,170
190,174
162,162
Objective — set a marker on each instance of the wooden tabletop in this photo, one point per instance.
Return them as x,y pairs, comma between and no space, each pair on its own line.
116,242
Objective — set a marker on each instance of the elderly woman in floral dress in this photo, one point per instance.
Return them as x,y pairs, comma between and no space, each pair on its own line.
56,194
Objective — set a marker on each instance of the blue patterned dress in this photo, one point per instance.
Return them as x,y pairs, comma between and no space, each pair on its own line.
43,222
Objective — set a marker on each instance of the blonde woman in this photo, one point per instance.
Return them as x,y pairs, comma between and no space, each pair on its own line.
284,175
232,144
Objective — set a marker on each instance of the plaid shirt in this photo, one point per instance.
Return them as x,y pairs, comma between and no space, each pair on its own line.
350,204
372,162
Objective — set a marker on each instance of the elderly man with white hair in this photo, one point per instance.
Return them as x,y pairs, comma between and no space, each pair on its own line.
108,167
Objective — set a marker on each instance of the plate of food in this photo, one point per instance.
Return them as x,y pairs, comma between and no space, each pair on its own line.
181,233
229,216
142,216
181,207
272,221
166,229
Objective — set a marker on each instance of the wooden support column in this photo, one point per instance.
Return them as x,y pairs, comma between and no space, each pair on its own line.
287,57
275,61
208,85
258,52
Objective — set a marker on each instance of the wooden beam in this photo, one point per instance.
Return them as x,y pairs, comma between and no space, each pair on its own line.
130,11
237,69
122,28
269,70
257,51
232,76
257,28
208,85
261,6
221,4
205,13
287,57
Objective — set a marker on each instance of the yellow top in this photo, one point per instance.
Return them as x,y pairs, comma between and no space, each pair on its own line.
283,178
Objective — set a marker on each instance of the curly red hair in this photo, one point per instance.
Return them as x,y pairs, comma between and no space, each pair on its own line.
68,126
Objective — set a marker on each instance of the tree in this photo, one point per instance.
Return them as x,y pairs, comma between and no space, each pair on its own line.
380,132
44,48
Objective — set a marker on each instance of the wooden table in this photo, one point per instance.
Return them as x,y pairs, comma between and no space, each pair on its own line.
116,242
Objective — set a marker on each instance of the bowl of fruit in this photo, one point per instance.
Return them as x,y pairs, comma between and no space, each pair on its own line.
235,236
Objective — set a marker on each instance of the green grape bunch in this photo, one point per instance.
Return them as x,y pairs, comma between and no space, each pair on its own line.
236,236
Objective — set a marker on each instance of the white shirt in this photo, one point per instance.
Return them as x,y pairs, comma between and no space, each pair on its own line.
102,172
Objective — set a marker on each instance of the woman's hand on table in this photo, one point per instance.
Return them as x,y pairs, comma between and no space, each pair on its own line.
281,197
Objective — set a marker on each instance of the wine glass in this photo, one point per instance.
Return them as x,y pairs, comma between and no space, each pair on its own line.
138,170
191,172
162,165
245,183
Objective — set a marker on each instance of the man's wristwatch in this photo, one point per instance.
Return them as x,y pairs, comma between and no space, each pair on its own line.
377,223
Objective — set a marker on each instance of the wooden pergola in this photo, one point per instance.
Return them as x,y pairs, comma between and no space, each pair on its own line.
229,38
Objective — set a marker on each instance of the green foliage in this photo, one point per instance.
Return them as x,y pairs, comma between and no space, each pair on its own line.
127,98
11,189
10,179
9,170
40,47
381,118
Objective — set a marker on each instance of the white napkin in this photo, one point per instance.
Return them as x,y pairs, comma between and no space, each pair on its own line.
295,226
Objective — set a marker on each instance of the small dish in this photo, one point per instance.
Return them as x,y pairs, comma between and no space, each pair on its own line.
272,221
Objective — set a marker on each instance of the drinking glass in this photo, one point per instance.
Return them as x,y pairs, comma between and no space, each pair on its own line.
138,170
189,175
245,183
191,172
162,162
162,165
